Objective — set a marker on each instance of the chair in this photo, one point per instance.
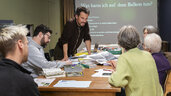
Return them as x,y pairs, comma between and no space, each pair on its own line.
165,46
168,56
47,56
1,56
51,52
167,89
168,94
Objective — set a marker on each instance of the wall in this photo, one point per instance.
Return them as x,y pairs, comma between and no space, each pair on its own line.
55,21
35,12
165,20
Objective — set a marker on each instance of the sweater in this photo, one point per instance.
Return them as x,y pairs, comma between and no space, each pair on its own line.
136,71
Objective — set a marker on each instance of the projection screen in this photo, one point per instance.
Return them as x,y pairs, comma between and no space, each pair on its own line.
108,16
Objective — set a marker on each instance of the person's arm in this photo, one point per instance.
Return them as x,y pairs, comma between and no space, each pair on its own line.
36,59
113,64
87,39
119,77
88,46
65,37
65,51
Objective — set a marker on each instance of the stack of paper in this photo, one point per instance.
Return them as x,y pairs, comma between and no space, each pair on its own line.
102,57
53,72
73,70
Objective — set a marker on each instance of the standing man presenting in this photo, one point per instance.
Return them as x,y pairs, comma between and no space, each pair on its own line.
74,32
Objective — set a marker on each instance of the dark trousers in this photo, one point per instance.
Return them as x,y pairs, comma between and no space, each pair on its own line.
58,53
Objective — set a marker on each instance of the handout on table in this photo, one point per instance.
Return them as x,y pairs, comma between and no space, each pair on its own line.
43,82
72,83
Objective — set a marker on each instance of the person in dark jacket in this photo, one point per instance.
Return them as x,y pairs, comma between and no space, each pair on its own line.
14,79
74,32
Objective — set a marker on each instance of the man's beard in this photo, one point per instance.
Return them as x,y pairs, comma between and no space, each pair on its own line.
80,24
43,43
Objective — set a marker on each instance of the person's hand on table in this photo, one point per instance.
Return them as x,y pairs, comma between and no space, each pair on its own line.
113,64
68,62
65,58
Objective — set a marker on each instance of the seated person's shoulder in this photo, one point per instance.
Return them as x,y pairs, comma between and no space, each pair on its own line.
145,52
24,77
10,73
29,38
11,79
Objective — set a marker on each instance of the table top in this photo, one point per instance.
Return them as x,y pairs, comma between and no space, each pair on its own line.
98,84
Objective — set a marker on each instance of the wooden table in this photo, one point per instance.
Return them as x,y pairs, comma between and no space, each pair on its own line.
168,84
98,87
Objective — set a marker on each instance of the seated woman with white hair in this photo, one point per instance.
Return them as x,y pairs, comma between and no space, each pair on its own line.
152,43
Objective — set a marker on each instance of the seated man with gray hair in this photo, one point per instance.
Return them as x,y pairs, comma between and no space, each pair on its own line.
152,43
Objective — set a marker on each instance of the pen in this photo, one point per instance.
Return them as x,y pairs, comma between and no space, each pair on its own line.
107,69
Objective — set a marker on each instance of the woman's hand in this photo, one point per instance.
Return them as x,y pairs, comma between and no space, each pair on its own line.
113,64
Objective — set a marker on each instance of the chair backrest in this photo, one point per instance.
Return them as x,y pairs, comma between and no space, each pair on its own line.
167,83
51,51
168,94
47,56
165,46
168,56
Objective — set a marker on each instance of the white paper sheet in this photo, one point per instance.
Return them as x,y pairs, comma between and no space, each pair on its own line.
43,82
102,73
72,83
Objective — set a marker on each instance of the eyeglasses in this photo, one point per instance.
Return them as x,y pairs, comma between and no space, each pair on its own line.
48,35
